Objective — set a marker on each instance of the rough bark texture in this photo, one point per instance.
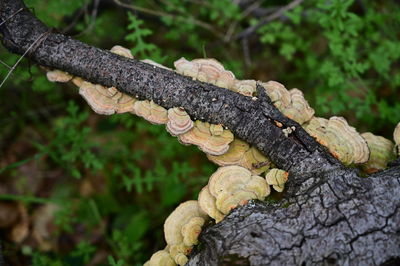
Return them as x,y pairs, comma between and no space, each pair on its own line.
248,119
337,219
329,215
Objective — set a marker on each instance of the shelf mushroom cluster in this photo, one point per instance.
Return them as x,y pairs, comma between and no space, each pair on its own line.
181,230
227,188
238,179
381,152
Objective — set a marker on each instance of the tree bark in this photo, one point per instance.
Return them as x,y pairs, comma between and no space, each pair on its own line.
329,215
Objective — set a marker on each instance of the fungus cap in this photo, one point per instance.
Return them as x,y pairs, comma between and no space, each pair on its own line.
122,51
298,110
151,62
152,112
246,87
241,154
207,204
342,140
106,101
206,70
179,121
191,231
235,185
279,95
277,178
381,152
160,258
58,76
201,136
185,67
178,218
233,156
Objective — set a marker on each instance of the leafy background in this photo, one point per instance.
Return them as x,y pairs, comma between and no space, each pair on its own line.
106,184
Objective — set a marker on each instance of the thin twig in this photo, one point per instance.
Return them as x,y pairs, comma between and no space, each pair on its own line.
246,52
5,64
38,41
163,14
268,19
233,25
93,19
74,20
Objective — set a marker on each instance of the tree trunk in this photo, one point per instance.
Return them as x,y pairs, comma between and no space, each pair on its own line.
329,215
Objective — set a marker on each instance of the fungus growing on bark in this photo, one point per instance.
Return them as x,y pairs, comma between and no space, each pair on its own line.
396,137
279,95
381,152
187,68
277,179
160,258
207,204
151,111
77,81
201,135
182,228
151,62
106,101
298,110
241,154
179,121
342,140
122,51
234,185
206,70
58,76
246,87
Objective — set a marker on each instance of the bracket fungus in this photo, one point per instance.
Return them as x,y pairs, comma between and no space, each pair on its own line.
151,62
277,179
58,76
179,121
160,258
342,140
106,101
182,228
246,87
298,110
396,137
206,70
207,204
381,152
151,111
232,186
201,135
279,95
241,154
122,51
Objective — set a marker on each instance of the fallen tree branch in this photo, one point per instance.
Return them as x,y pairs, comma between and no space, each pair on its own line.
250,120
329,213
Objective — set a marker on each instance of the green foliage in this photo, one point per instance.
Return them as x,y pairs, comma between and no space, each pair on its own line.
141,47
70,147
129,175
349,63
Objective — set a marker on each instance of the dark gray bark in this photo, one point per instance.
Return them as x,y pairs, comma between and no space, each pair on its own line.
336,219
329,214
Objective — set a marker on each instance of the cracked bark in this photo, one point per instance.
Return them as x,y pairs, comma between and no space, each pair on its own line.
329,213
